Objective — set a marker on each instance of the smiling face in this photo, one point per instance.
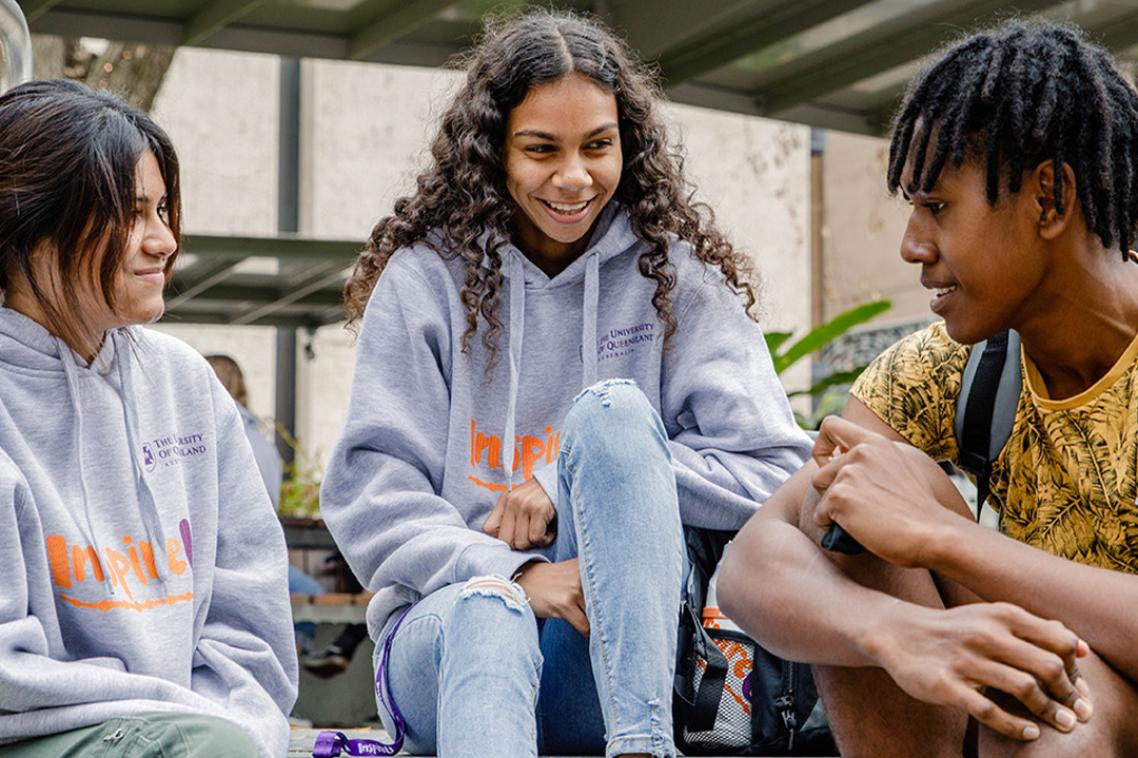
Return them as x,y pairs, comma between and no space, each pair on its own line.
985,264
563,164
141,278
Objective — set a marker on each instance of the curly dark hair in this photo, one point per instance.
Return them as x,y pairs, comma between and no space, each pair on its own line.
1020,94
463,194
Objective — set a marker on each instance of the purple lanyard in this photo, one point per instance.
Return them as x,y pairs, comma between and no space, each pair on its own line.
331,744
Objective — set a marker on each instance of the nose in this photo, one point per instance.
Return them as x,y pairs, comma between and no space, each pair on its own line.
159,239
916,244
572,174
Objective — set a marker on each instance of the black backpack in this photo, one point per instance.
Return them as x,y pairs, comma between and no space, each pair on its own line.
785,713
986,407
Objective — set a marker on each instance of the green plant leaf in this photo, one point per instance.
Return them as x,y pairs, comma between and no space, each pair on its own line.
775,340
820,336
835,379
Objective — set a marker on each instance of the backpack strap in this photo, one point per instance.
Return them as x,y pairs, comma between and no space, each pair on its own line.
985,410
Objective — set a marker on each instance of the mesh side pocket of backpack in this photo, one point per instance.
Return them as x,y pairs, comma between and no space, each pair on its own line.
732,729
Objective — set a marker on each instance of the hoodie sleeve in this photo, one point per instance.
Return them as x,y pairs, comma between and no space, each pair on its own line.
379,497
733,436
245,659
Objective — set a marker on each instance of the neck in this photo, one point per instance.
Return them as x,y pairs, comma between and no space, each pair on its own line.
549,255
85,342
1082,319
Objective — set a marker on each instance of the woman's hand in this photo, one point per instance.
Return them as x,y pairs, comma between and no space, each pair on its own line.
948,657
888,495
521,518
554,591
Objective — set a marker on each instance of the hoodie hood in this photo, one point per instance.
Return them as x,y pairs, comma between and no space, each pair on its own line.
611,236
26,344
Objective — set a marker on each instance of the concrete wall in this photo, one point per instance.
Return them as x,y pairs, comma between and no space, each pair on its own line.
229,179
862,228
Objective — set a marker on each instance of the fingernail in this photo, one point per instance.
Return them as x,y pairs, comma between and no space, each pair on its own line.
1083,709
1083,688
1031,732
1064,718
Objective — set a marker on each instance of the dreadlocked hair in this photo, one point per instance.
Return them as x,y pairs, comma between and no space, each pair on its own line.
461,206
1016,96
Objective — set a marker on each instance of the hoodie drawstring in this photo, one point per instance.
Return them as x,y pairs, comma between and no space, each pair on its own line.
71,373
151,519
589,321
589,305
517,278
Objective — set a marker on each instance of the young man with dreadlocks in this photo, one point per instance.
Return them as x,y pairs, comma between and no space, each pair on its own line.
1018,150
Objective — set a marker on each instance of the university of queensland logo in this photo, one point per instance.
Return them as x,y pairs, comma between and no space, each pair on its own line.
171,450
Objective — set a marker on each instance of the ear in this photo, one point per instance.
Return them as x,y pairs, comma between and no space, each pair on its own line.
1039,185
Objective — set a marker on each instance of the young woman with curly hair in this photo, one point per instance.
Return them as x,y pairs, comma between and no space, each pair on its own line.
516,502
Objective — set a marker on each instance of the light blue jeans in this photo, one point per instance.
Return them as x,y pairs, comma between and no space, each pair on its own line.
469,661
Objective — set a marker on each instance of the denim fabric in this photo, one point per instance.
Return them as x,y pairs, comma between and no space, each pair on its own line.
467,661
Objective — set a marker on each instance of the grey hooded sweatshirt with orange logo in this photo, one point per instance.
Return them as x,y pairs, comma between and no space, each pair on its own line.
421,461
145,567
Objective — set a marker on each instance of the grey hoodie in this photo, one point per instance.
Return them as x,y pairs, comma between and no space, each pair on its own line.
421,463
146,568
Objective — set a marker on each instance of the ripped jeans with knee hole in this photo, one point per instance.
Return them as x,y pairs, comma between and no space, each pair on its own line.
474,673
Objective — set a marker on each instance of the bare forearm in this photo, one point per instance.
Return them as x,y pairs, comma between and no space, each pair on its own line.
1098,604
781,588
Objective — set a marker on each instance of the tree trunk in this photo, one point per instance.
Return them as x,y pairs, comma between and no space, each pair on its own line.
132,70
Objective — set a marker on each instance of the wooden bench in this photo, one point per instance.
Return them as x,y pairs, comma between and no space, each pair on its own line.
332,608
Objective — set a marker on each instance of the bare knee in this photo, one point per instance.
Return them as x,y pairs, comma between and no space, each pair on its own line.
1109,732
500,588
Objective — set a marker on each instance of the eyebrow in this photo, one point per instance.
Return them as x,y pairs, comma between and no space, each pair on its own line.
552,138
146,198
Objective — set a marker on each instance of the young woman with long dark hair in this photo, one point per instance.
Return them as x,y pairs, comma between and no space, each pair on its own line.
144,609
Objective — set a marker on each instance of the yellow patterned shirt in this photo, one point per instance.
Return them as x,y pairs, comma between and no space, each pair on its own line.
1065,480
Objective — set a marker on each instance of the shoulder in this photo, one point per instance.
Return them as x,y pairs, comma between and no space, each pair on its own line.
417,276
177,376
700,285
160,350
913,386
926,354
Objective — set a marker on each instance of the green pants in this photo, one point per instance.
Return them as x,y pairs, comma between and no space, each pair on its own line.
148,735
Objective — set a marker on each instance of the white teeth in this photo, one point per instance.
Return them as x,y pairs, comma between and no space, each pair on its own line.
946,290
564,208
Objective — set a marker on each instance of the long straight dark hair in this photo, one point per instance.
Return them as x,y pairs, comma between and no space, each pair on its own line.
68,157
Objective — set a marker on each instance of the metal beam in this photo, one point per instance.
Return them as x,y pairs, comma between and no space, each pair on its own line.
717,98
1119,34
258,296
722,44
1112,33
401,20
214,17
194,282
651,27
891,43
33,9
296,295
284,247
120,26
218,317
